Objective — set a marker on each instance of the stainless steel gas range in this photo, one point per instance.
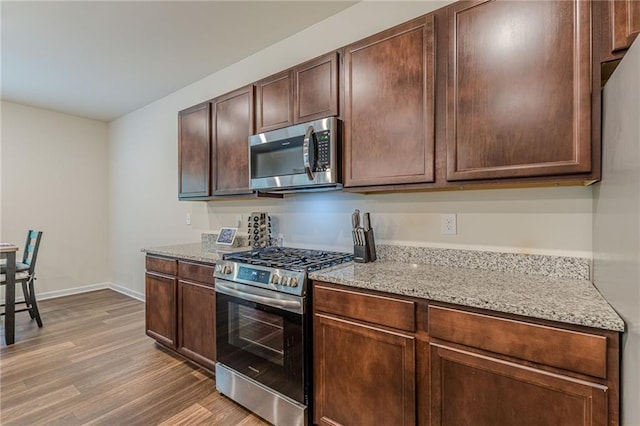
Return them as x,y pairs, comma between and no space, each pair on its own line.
263,326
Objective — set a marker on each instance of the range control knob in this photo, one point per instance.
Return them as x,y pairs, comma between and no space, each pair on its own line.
218,268
275,278
293,282
284,281
227,269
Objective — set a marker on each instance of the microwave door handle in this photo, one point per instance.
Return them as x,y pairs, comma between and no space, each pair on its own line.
305,152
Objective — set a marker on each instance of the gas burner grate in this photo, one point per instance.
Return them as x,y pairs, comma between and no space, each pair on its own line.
290,258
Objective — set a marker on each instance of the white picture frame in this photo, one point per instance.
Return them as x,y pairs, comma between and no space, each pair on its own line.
226,236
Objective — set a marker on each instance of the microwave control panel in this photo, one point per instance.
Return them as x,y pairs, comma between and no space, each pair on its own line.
324,150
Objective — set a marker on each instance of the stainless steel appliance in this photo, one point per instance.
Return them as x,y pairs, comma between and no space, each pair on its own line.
263,325
299,158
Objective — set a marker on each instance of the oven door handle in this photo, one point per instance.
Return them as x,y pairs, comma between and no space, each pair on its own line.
289,305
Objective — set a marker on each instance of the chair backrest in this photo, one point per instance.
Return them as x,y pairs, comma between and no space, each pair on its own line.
31,249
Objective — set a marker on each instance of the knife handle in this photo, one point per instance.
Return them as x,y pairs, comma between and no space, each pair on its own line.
366,220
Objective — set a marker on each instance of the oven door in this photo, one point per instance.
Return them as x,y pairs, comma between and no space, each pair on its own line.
261,335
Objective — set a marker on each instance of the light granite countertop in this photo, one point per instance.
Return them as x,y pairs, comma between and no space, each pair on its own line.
567,300
193,251
557,295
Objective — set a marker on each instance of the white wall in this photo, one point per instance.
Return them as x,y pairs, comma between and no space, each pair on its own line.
54,179
144,210
617,219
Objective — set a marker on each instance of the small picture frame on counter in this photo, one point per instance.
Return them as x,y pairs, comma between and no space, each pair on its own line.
227,236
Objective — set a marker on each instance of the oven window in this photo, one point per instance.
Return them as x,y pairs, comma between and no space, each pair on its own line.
260,333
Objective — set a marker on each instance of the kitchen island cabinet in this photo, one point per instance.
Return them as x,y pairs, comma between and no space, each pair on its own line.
180,307
389,106
455,365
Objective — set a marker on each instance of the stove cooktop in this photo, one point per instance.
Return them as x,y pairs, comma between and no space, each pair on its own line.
280,269
288,258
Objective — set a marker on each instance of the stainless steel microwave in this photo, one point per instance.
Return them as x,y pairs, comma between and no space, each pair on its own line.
298,158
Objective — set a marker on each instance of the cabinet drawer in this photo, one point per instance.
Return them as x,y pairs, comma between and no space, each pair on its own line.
379,310
162,265
195,272
569,350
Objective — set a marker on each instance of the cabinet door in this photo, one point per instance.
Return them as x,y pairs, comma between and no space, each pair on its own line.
316,89
471,389
196,323
389,106
518,89
363,375
160,308
232,117
625,23
274,102
194,144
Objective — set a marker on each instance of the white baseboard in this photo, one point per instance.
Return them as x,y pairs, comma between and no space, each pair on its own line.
126,291
83,289
70,291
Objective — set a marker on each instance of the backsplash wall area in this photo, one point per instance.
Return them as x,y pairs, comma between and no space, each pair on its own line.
552,221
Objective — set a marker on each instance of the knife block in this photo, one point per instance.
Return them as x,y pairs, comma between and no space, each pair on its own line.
367,252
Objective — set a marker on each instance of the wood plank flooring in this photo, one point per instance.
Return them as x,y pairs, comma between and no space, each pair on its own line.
92,364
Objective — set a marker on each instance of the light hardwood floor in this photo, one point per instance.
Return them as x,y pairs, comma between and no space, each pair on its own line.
92,363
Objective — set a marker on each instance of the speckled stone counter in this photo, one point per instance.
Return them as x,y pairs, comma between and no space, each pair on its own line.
567,300
193,251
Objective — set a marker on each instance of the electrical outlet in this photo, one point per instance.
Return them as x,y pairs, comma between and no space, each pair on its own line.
448,224
188,218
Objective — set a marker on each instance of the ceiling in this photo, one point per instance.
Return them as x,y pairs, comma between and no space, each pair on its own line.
104,59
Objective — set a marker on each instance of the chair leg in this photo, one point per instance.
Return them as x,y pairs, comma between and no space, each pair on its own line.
27,299
34,305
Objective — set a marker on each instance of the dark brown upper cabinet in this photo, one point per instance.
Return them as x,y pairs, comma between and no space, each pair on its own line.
274,102
316,89
518,92
194,144
389,106
625,23
306,92
232,118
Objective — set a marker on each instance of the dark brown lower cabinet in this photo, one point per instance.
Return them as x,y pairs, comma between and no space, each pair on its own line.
382,359
196,319
472,389
364,375
160,310
180,307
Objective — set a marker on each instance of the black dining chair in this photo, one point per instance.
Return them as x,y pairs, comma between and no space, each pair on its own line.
25,274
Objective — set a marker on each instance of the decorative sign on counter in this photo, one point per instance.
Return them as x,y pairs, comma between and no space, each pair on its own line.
226,236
